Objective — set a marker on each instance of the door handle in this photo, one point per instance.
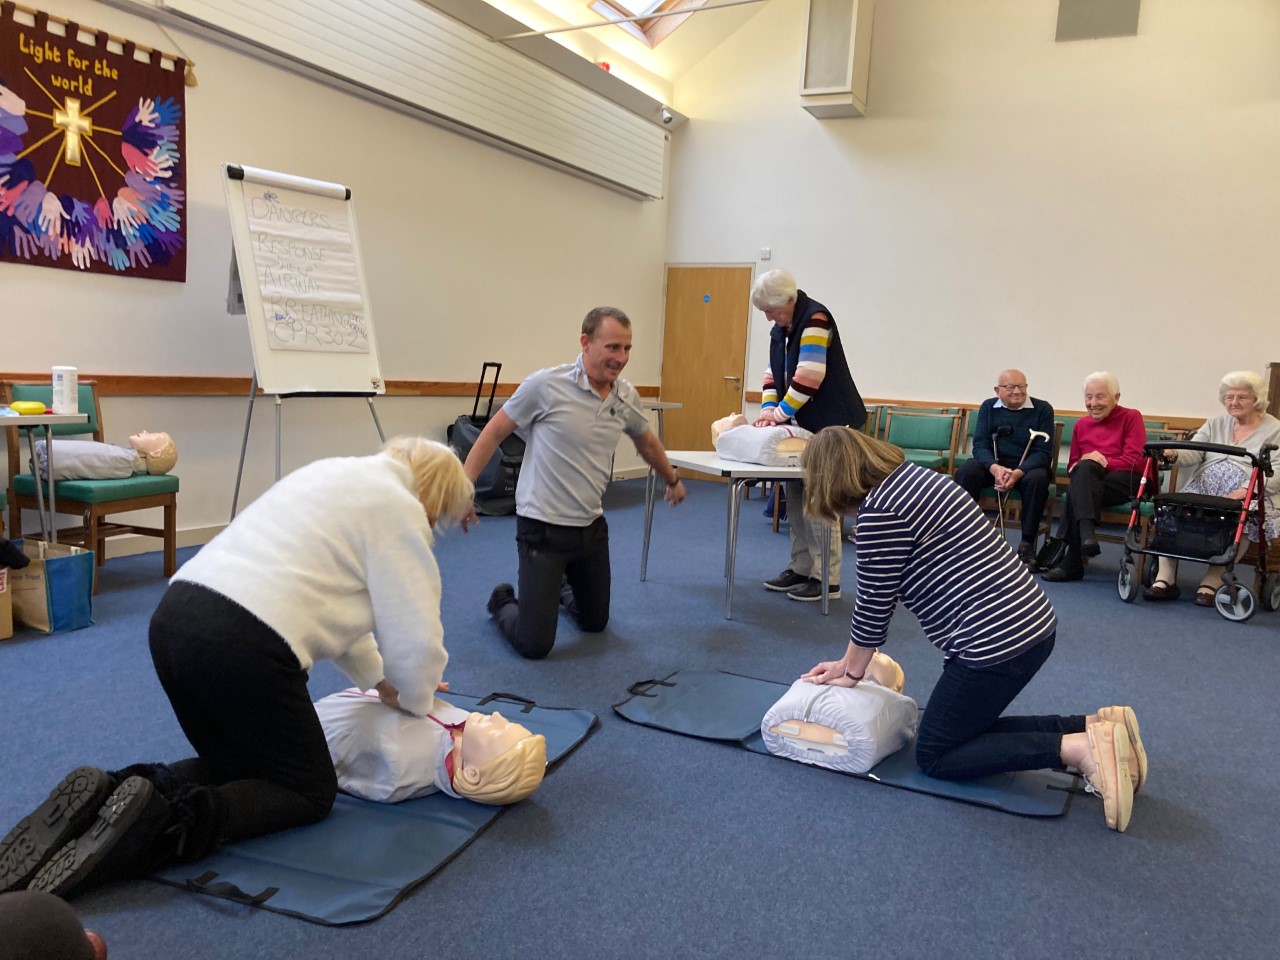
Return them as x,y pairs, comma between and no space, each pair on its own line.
734,379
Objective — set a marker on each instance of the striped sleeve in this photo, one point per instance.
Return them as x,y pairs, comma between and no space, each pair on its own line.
769,395
884,545
811,368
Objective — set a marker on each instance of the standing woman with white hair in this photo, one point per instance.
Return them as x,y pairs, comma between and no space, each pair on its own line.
1246,424
807,382
334,562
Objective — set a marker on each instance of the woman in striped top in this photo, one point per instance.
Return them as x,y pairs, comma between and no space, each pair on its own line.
923,541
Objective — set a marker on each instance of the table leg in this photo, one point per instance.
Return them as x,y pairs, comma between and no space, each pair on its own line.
826,567
53,487
731,549
650,485
35,473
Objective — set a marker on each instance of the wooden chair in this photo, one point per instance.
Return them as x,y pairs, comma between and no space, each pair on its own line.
92,500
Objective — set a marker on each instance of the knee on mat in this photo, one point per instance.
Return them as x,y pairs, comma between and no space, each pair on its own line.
593,624
929,760
533,651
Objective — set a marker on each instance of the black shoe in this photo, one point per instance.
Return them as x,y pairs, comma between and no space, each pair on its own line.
503,594
567,602
69,810
812,590
1089,547
121,842
786,581
1063,573
1027,554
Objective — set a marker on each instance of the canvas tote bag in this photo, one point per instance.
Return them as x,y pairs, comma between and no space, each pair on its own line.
55,590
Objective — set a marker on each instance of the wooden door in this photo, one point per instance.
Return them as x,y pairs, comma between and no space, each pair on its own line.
704,350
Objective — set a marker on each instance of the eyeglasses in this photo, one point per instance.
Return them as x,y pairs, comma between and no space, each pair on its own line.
1238,398
1012,386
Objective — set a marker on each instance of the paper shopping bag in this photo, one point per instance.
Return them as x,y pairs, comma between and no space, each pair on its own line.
55,590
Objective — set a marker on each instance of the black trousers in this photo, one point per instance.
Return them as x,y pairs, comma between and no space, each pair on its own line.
1033,488
1091,489
241,698
548,555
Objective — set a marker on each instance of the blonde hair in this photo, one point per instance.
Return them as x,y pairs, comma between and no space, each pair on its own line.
841,466
439,481
508,777
1245,379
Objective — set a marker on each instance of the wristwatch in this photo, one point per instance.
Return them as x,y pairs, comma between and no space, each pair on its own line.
675,472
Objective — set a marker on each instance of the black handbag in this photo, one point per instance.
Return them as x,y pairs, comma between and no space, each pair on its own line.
496,484
1052,553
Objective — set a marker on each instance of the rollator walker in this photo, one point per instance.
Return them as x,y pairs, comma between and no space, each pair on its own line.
1201,529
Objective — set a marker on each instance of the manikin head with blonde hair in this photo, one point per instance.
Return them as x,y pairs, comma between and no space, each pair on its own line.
496,761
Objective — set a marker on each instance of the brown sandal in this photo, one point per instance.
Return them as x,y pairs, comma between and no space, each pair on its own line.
1162,590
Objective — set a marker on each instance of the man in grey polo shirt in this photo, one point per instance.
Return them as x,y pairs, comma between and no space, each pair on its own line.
571,418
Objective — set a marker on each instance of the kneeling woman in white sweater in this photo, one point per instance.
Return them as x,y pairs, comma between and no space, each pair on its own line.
331,553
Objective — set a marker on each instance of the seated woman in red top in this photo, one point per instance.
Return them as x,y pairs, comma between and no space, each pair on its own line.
1103,470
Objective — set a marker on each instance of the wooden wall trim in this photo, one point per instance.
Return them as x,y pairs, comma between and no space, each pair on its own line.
129,385
1173,423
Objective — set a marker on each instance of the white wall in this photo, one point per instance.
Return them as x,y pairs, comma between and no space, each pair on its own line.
1009,201
471,253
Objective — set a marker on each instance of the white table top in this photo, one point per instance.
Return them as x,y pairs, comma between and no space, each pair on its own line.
41,419
708,461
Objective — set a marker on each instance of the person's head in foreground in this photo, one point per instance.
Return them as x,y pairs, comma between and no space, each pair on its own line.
497,761
439,481
841,466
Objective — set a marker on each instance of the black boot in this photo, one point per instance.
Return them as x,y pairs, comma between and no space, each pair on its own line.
567,601
138,831
66,813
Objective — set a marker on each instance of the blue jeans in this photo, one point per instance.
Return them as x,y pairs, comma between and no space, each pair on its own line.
963,736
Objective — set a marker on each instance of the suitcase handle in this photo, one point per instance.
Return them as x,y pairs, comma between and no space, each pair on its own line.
484,373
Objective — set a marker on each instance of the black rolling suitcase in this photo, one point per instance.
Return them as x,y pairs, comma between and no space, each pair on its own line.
496,485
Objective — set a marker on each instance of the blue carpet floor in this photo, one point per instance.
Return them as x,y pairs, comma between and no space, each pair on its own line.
644,844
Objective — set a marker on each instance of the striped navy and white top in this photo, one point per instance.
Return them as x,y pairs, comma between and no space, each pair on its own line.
922,540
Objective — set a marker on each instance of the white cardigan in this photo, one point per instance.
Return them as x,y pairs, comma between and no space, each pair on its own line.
335,553
1221,430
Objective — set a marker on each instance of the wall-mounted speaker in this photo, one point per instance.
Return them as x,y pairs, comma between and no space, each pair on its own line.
837,58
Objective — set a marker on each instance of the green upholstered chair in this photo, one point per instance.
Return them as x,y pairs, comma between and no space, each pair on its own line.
92,500
927,439
970,426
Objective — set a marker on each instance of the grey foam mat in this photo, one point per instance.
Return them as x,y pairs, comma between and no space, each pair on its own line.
728,707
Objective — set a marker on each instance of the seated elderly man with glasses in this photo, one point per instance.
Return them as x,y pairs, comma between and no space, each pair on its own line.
1011,451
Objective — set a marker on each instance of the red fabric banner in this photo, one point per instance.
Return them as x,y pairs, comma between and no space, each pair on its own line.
92,176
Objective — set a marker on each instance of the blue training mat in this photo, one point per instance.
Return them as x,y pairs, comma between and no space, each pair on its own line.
357,864
714,705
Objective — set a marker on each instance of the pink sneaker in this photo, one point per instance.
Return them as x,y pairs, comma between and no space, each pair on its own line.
1137,753
1110,778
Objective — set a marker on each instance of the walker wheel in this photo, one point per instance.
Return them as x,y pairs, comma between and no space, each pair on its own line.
1150,567
1239,609
1127,583
1269,592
